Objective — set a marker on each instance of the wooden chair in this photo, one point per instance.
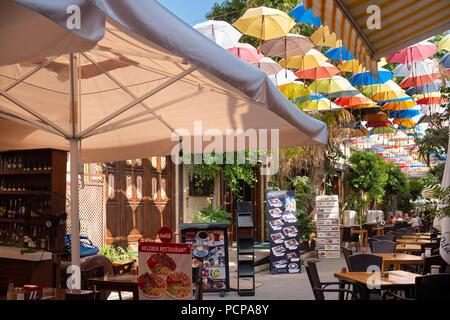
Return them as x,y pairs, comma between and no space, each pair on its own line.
384,246
429,287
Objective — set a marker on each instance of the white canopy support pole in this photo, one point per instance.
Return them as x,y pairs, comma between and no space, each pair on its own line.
74,207
74,156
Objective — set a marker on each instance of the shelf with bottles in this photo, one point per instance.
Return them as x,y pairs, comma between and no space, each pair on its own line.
22,162
24,236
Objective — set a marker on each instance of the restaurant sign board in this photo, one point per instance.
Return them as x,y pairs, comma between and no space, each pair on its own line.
165,269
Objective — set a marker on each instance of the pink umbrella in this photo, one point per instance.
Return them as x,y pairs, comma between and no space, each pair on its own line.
417,52
246,52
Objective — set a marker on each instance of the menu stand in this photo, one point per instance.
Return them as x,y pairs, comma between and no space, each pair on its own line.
245,247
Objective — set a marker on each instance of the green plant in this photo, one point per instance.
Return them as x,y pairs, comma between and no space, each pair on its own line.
304,193
443,195
208,215
119,254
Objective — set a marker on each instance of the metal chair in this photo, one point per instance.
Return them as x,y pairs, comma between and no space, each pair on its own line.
384,246
429,287
388,237
318,287
348,237
361,262
371,241
346,253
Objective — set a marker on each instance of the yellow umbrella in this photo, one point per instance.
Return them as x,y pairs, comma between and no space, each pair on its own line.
352,66
385,91
399,105
264,23
333,84
320,104
382,62
294,90
322,38
444,44
427,95
311,59
404,122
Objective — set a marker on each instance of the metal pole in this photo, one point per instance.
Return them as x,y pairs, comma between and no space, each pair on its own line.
74,204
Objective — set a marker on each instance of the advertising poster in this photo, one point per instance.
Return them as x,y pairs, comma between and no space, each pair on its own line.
328,233
165,269
283,232
209,251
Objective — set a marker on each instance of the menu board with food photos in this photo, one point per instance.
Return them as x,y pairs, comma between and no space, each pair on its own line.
210,251
165,270
283,232
328,233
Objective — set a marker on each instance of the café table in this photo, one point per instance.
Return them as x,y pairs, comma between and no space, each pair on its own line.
416,237
363,237
428,234
413,241
379,230
124,282
59,294
396,280
408,248
399,259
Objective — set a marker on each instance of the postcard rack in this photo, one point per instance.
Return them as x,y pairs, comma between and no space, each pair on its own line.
245,247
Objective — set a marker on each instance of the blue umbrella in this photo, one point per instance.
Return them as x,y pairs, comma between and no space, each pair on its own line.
403,114
366,78
445,61
340,53
305,16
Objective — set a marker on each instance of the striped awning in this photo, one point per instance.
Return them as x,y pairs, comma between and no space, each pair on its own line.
402,23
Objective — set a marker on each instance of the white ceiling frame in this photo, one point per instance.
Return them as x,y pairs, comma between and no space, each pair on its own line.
131,94
137,101
34,113
144,113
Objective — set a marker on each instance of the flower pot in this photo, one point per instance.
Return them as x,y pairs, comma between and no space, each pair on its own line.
121,268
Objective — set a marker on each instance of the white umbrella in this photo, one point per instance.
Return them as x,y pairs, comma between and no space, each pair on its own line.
121,86
283,77
419,68
268,66
221,32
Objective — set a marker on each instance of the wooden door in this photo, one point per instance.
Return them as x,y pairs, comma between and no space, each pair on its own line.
141,198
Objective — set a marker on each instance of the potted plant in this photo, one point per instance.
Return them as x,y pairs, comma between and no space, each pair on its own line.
122,259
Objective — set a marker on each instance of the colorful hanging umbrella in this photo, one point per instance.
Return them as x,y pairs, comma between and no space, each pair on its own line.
445,61
417,52
305,16
340,53
382,63
357,101
287,46
264,23
432,100
418,81
352,66
379,116
418,68
384,91
403,98
311,59
325,70
349,91
333,84
283,77
322,38
427,88
444,44
399,105
406,122
366,78
294,90
403,114
268,66
220,32
246,52
378,124
320,104
381,130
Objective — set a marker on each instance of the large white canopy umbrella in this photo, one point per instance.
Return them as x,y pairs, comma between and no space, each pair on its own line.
119,86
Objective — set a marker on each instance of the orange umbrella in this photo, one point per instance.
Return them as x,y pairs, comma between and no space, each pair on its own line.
380,116
358,101
404,122
325,70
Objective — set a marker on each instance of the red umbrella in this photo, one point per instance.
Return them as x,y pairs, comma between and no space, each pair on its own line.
378,124
417,52
432,100
324,71
246,52
418,81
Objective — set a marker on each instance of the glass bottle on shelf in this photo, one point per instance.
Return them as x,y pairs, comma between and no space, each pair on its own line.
11,293
39,164
34,164
19,165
